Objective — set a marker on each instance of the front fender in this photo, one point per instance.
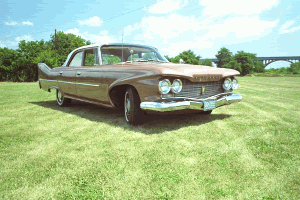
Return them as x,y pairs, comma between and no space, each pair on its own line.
147,87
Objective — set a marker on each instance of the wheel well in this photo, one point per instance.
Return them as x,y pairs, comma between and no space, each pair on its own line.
117,95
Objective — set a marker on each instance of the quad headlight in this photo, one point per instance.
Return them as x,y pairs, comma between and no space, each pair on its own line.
176,86
235,83
227,84
164,86
230,83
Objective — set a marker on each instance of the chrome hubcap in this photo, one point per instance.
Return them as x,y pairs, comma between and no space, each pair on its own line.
59,96
127,106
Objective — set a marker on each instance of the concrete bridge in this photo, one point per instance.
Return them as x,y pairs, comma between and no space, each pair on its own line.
269,60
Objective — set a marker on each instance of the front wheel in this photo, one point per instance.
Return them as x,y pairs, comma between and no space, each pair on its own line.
132,110
61,100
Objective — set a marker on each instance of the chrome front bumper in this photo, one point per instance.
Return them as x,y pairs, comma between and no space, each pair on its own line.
189,104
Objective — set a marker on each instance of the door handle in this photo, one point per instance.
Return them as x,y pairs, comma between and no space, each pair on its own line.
78,73
61,72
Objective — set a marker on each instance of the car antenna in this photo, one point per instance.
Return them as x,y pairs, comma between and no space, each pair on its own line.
122,46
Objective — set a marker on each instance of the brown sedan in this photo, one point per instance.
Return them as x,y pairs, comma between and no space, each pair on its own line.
139,79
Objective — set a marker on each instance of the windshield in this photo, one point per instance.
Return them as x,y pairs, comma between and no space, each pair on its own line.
122,53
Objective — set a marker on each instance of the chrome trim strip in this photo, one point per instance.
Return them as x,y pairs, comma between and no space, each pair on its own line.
192,105
86,84
193,99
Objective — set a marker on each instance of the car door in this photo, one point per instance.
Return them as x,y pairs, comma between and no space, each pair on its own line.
91,84
67,79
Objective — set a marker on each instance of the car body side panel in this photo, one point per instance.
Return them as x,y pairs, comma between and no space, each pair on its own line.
66,80
92,84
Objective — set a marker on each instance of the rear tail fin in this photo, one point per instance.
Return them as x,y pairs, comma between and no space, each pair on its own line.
43,66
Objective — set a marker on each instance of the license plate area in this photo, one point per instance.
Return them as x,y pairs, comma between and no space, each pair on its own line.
209,104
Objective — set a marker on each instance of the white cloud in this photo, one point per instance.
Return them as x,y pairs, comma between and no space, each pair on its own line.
11,23
175,26
2,45
102,37
241,27
24,37
166,6
217,8
285,27
23,23
93,21
27,23
74,31
16,41
165,27
176,33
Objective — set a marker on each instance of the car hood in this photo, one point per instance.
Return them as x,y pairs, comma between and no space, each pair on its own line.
195,73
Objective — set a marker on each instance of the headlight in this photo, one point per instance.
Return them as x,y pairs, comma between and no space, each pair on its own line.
227,84
176,86
164,86
235,84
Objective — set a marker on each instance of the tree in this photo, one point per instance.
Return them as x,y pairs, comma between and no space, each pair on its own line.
7,59
168,58
295,68
233,64
206,62
25,66
21,64
189,57
260,67
65,44
224,56
48,57
249,62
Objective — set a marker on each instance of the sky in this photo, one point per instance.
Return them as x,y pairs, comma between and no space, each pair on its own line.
263,27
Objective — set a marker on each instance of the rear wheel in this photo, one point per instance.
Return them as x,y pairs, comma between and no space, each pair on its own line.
61,100
132,110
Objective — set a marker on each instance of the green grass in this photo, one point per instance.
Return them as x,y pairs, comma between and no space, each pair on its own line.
247,150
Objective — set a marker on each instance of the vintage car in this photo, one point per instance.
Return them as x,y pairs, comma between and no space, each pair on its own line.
138,79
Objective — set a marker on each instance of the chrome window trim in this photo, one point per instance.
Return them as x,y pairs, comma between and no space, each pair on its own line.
99,46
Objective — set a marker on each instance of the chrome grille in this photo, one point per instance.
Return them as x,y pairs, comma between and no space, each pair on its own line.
193,90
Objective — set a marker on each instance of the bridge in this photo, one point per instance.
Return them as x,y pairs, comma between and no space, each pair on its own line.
269,60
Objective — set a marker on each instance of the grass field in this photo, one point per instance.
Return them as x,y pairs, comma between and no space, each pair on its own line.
247,150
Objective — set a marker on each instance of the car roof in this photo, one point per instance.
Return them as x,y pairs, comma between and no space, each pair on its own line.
100,45
112,44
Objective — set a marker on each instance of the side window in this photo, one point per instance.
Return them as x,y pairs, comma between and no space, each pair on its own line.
108,59
91,57
77,60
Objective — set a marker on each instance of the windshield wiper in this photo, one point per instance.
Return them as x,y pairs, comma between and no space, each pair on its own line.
156,60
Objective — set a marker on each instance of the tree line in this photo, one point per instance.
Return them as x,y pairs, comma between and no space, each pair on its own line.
21,64
244,62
